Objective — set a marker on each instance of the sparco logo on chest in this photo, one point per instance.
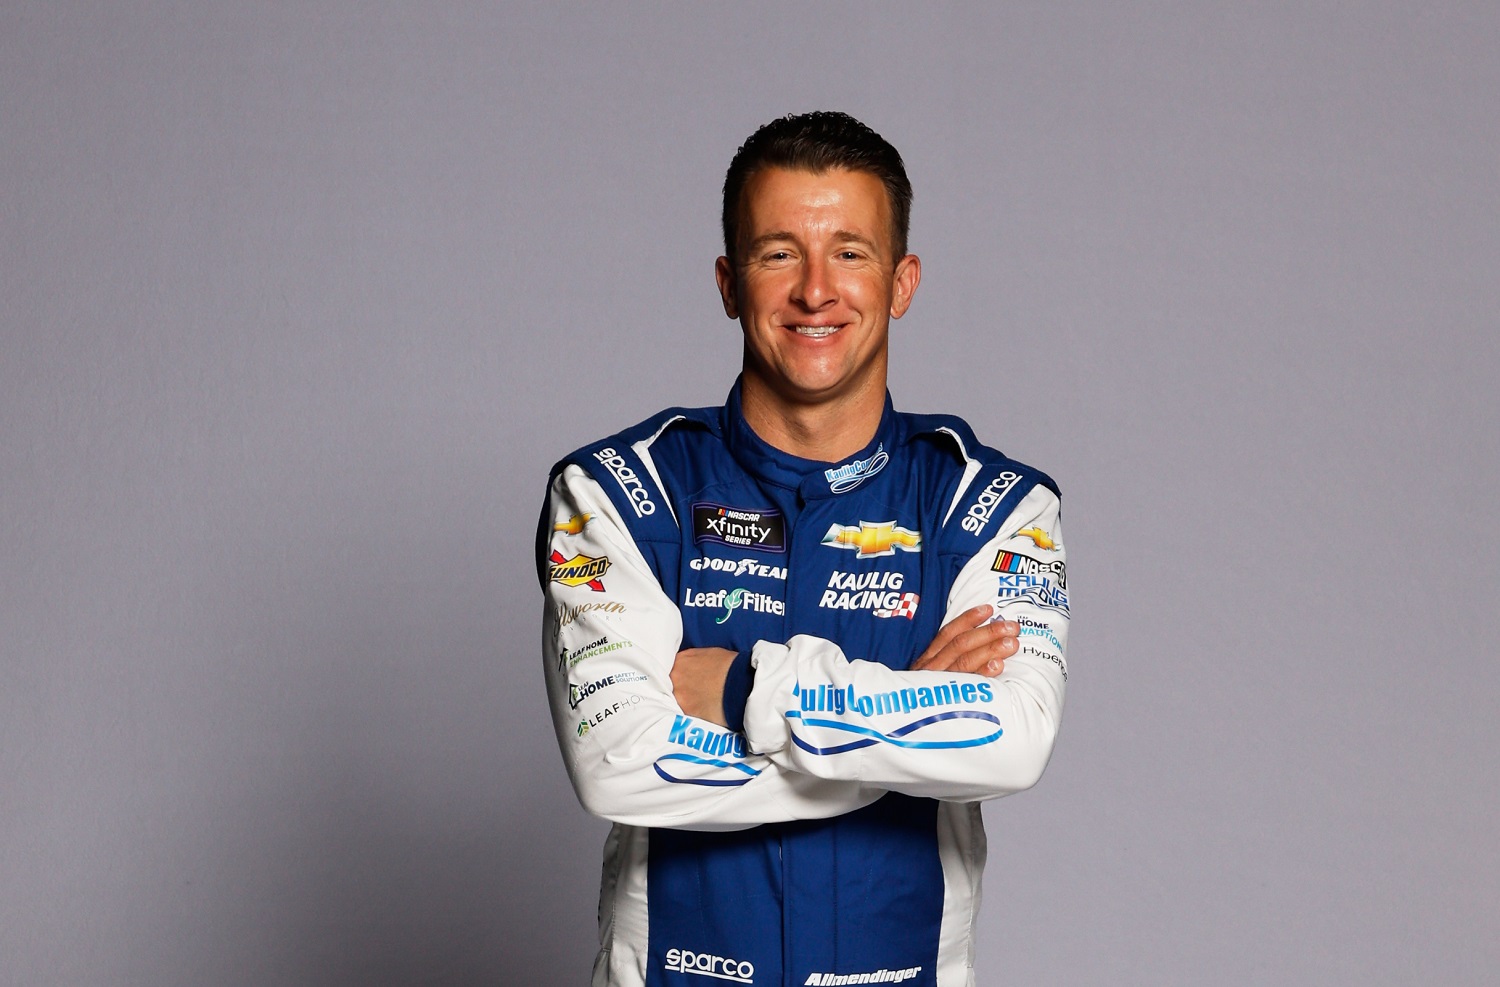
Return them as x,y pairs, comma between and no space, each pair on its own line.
640,500
763,531
989,498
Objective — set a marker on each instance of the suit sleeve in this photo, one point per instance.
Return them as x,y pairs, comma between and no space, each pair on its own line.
960,737
609,638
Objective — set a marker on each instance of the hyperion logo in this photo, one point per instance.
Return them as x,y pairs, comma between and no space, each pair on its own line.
871,539
709,965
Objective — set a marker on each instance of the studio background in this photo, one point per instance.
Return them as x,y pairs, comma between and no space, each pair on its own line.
301,300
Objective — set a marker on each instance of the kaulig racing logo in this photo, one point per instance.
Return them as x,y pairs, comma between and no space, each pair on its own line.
709,965
844,478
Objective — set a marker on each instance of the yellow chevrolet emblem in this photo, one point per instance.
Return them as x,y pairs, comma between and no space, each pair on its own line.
1039,538
572,525
870,540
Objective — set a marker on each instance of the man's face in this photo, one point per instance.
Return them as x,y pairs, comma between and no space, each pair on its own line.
815,282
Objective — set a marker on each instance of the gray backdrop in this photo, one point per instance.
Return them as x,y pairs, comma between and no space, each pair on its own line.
300,301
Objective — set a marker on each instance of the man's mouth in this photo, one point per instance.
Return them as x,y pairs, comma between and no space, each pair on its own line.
817,332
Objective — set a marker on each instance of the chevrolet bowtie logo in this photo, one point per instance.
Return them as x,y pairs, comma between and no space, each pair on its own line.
870,540
573,525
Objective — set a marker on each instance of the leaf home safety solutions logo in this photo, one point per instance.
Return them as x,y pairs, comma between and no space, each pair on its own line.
709,965
580,570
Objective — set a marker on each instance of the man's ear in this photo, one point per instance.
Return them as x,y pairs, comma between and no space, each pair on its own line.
908,276
724,275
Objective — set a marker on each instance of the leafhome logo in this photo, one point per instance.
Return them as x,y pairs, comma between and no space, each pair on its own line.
1015,562
844,478
709,965
873,539
580,570
873,977
989,498
640,500
762,531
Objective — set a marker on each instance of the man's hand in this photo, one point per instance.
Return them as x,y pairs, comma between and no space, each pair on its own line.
963,645
698,682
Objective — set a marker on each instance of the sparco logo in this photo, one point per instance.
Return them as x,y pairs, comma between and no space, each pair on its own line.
873,977
989,498
640,500
844,478
709,965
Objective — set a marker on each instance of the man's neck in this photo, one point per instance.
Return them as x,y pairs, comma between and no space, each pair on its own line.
826,431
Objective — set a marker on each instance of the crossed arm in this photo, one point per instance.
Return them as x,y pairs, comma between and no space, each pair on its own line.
639,721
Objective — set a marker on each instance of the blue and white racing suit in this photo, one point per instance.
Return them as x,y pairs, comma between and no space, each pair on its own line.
833,835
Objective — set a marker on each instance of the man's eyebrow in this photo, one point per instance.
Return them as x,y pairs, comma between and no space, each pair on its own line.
781,236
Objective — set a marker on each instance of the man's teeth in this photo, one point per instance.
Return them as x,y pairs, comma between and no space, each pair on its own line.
816,330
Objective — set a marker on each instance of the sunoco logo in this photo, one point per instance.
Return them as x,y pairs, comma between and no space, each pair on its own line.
709,965
640,500
844,478
989,498
580,570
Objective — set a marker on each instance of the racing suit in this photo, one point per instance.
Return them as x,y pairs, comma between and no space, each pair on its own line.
833,834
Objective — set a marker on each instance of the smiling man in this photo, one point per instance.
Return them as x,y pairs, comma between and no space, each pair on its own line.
792,642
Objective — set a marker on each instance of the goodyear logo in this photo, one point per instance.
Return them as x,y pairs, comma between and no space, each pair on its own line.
870,540
580,570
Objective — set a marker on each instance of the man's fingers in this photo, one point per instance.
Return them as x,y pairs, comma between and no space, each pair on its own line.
974,650
966,621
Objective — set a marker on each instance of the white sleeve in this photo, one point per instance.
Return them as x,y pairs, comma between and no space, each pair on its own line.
944,735
609,638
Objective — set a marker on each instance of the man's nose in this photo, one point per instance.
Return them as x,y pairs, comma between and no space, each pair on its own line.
815,288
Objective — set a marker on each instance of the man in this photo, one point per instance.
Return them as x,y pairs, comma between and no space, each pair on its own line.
791,642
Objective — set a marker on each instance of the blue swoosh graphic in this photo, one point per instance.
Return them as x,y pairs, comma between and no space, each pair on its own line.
894,738
711,762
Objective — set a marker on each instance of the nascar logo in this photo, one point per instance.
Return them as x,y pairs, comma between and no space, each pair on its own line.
1018,564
